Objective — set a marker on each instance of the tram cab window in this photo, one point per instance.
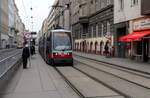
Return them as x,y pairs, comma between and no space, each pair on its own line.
62,41
49,37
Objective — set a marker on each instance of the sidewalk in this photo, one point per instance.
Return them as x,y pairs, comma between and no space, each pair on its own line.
38,81
123,62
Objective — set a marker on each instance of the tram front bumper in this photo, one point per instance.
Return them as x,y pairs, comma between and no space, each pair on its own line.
63,60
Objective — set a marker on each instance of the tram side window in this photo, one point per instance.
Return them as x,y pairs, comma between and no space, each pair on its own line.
49,42
49,37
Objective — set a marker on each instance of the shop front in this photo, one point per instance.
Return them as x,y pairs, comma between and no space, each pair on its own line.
139,39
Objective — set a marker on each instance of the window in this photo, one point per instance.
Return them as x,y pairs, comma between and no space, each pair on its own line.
102,3
134,2
108,27
92,1
121,4
108,2
102,30
96,30
92,31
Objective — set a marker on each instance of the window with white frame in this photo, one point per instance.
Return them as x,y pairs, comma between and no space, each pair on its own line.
102,30
102,3
134,2
121,4
108,27
92,32
96,30
108,2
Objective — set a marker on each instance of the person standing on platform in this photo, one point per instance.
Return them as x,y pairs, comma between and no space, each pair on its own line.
25,56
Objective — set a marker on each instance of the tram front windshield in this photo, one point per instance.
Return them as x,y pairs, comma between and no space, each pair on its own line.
62,41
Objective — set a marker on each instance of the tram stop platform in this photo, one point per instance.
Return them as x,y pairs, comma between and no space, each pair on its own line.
37,81
122,62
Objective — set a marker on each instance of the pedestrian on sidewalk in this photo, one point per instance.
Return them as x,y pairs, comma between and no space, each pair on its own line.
106,50
25,55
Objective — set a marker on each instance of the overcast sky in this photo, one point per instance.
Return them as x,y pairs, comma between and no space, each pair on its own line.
40,11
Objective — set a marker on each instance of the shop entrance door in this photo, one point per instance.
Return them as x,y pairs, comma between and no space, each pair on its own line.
121,49
146,47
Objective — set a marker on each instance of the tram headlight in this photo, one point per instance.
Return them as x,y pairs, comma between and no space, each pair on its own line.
69,53
55,54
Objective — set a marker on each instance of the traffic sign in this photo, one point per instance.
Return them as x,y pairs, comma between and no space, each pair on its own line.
28,35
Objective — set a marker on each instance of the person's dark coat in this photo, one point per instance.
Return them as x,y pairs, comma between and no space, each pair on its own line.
32,49
25,56
106,49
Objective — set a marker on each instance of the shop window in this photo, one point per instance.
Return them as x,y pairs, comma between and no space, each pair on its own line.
139,48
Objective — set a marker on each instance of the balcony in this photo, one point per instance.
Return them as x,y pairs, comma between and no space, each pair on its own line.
84,20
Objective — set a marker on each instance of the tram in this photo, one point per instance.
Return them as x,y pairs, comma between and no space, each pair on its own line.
55,47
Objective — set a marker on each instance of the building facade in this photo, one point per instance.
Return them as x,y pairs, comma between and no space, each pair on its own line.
53,17
11,20
96,23
80,20
59,15
44,28
4,23
95,26
9,23
129,20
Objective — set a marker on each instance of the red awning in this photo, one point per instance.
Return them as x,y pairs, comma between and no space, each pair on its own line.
134,36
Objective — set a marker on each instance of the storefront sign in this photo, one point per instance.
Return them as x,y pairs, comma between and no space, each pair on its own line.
141,24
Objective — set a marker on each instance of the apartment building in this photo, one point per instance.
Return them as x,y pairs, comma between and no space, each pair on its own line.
96,26
11,22
4,23
131,17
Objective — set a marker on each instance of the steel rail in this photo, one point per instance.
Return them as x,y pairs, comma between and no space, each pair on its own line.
119,66
70,84
98,81
6,70
104,84
114,75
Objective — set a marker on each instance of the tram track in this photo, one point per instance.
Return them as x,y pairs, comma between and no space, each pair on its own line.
117,65
77,90
69,83
106,68
134,85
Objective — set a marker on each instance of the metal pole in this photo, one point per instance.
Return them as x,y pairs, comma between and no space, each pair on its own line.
0,25
30,53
